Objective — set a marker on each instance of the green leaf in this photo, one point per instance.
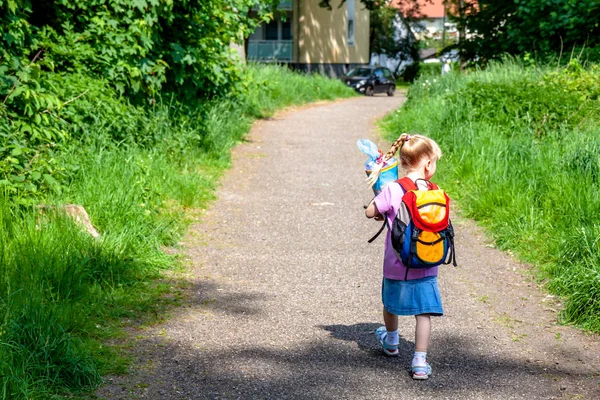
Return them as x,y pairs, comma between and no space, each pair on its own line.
52,182
12,5
140,4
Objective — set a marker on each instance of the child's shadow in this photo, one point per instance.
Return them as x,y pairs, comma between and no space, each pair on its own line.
364,335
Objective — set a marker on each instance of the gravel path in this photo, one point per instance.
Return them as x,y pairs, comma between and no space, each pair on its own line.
285,294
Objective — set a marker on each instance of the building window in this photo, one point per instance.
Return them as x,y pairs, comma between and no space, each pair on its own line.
286,30
277,29
272,30
350,18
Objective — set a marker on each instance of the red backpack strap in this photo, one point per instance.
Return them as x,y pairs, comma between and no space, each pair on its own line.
407,184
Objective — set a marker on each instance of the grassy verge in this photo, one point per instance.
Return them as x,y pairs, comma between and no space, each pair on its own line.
521,156
139,172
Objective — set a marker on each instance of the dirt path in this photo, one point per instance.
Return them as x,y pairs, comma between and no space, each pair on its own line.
286,291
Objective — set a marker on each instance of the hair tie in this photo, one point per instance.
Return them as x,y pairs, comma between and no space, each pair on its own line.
408,137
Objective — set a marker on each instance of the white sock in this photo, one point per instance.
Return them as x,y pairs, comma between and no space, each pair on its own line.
392,338
420,358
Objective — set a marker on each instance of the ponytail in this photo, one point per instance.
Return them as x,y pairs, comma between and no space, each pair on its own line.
396,146
412,149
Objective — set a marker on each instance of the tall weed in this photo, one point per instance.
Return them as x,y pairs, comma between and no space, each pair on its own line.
48,288
521,156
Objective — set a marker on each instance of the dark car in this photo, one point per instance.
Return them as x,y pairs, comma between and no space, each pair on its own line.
370,80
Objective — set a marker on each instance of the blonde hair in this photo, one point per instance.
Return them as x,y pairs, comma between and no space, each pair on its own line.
413,148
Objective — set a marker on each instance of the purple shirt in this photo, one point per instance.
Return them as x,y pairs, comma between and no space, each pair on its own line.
388,202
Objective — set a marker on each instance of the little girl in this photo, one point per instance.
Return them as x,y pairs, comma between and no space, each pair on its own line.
414,292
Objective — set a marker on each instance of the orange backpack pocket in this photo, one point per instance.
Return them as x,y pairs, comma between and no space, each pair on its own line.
430,247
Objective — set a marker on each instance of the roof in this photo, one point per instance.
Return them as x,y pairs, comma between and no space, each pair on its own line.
432,10
428,8
427,53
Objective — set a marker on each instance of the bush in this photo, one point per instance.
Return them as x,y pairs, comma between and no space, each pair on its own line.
532,99
430,69
141,48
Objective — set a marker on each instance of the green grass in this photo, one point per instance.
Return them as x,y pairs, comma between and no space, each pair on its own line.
521,156
279,87
141,173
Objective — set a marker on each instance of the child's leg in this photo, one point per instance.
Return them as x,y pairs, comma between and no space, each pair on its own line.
391,321
420,368
387,335
422,332
391,326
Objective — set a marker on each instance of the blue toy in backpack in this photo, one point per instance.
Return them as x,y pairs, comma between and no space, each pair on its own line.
389,171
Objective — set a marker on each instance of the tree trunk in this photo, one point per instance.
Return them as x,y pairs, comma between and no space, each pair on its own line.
461,32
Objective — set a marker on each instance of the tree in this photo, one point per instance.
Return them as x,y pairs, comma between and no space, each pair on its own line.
392,36
141,47
516,27
369,4
409,8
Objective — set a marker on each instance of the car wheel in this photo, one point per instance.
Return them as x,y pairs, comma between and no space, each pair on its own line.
391,91
369,91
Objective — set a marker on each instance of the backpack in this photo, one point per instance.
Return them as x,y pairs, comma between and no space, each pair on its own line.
422,234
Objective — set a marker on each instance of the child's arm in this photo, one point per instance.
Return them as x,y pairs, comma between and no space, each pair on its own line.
373,212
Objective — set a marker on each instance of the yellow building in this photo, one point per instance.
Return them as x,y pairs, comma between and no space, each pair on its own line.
311,38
